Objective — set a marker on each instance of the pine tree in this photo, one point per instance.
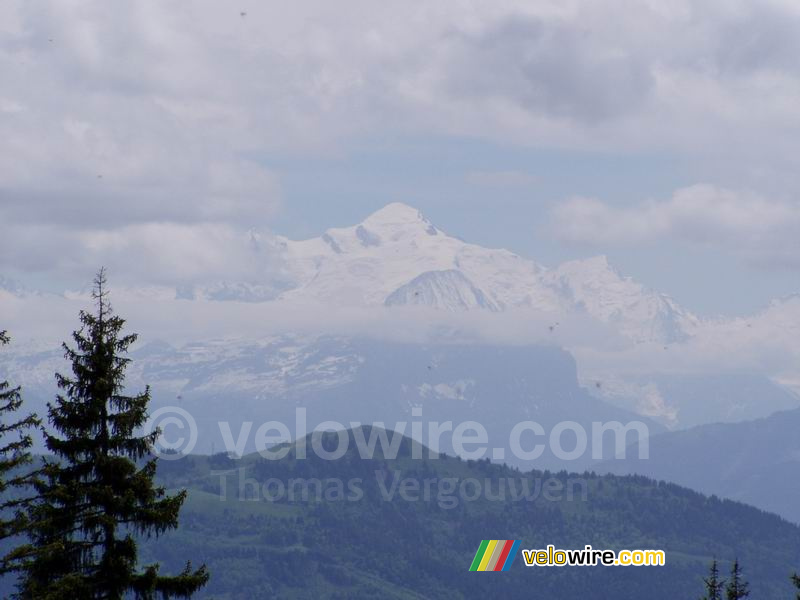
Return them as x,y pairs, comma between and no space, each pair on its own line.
15,443
796,582
713,583
94,496
737,587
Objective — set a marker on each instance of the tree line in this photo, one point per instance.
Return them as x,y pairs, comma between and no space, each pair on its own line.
735,587
79,512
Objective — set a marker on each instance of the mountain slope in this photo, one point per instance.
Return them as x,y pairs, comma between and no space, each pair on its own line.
690,399
362,380
449,290
599,289
404,546
757,462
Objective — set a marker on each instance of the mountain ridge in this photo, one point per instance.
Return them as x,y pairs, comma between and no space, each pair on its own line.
379,260
756,461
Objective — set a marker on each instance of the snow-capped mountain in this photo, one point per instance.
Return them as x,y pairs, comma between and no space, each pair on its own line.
346,380
397,257
597,287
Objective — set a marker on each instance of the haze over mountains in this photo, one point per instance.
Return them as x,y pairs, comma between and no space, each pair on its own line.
757,462
357,380
636,348
488,336
397,257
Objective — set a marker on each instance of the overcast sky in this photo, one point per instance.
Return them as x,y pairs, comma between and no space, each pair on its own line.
148,135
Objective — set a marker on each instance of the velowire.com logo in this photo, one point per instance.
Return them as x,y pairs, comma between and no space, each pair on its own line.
495,555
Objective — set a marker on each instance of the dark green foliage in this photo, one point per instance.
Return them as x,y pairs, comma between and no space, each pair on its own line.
737,587
378,548
94,497
15,442
374,547
796,582
714,585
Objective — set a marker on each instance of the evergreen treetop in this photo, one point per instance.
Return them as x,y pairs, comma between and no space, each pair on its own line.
97,491
714,585
737,587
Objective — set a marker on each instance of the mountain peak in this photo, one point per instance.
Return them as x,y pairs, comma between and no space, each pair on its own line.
396,213
598,262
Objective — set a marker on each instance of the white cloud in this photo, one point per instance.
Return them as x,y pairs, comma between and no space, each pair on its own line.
123,114
169,254
757,228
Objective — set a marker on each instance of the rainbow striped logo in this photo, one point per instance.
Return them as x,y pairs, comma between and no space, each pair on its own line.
495,555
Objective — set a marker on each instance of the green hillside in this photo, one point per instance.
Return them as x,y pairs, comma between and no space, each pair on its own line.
372,547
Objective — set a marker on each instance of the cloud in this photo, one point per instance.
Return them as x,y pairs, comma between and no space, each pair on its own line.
120,148
169,254
136,114
761,230
766,342
554,67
